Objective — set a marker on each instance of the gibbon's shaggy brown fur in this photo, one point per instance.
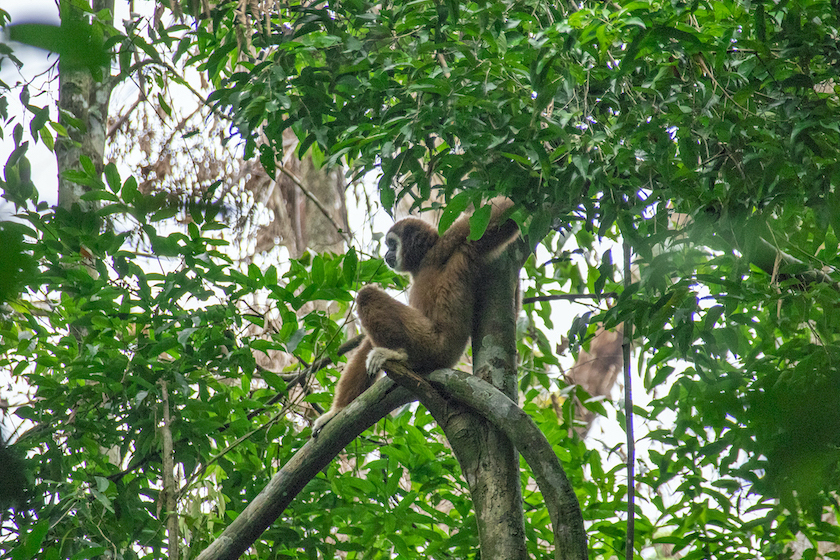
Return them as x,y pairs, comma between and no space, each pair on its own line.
433,330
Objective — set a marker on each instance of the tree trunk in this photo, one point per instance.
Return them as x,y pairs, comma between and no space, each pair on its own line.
488,459
84,99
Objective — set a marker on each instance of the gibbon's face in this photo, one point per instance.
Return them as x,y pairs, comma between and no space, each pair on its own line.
393,256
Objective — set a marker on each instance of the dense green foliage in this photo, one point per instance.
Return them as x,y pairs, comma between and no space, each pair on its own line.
703,133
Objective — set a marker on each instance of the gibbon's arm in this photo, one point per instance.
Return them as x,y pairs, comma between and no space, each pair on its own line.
497,235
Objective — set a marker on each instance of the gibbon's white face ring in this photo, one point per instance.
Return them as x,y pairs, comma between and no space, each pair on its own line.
393,256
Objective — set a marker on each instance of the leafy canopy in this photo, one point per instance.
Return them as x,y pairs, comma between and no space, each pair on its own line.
703,133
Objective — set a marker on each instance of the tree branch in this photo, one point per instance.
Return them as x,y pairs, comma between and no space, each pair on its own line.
169,487
628,416
568,297
365,411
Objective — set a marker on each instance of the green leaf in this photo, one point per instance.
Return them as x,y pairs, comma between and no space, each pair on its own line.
271,276
112,176
92,552
350,265
267,159
100,195
88,166
387,196
47,138
304,145
274,381
130,193
165,213
34,539
296,338
454,209
164,105
479,221
632,52
42,115
605,272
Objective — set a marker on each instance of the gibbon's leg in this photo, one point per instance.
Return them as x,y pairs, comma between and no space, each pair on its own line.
399,332
354,379
393,331
352,383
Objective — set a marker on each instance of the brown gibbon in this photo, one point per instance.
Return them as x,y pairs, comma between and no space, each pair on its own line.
432,331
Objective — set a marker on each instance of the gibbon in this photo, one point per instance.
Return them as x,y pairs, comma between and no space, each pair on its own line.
433,330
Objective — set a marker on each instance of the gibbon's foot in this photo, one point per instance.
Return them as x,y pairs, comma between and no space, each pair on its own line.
379,355
322,421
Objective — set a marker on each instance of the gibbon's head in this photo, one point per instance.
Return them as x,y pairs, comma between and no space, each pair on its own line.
408,241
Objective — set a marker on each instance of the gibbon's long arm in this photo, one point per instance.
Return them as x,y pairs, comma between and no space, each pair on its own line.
497,235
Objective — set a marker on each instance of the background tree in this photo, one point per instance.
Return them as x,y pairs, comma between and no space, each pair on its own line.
703,134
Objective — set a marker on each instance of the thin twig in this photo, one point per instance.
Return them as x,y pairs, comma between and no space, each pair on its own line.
568,297
628,417
179,80
124,117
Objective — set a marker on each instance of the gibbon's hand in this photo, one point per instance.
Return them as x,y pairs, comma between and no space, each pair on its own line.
379,355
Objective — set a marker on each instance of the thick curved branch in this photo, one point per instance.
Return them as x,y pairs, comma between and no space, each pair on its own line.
374,404
504,414
316,454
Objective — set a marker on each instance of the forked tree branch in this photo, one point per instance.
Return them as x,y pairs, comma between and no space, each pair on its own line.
560,499
374,404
